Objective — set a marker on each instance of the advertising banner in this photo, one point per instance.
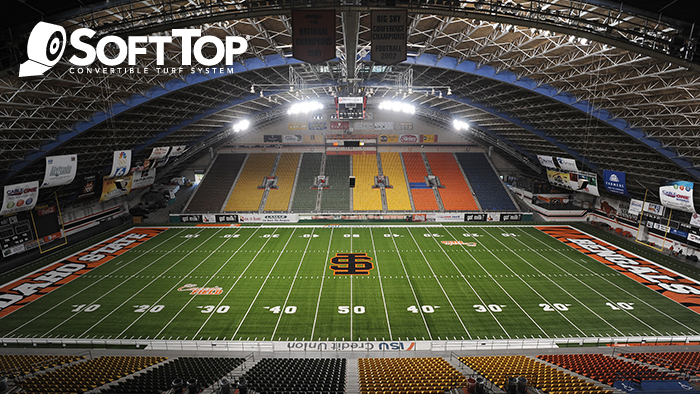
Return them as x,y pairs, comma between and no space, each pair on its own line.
143,178
559,179
403,125
297,126
388,138
511,217
60,170
694,239
584,183
428,138
313,35
115,187
409,138
636,206
91,186
384,125
615,182
293,138
268,218
389,45
227,218
475,217
19,197
176,151
695,220
546,161
677,195
318,125
363,126
567,164
340,125
159,153
449,217
655,209
272,138
121,163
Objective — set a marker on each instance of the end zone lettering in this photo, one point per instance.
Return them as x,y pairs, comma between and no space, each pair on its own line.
671,284
16,294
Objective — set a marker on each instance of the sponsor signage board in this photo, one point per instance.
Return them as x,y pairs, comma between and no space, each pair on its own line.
121,163
475,217
340,125
60,170
177,150
293,138
567,164
159,153
268,218
272,138
115,187
678,195
636,206
19,197
143,178
615,182
584,183
546,161
695,220
655,209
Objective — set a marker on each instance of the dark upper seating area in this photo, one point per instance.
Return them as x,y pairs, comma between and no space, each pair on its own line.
201,372
485,183
604,368
216,185
298,375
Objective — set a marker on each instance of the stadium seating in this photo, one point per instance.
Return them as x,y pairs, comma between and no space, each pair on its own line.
304,196
498,369
456,195
604,368
88,375
246,196
364,197
408,375
211,193
16,365
485,183
337,198
686,362
278,199
423,197
396,197
206,370
298,375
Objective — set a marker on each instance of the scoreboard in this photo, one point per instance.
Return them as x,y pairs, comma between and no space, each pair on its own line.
350,107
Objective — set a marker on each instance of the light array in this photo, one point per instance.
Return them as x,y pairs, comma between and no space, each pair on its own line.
304,107
398,106
241,125
460,125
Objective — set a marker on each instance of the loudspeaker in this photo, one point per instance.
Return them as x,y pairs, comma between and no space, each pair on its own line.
352,181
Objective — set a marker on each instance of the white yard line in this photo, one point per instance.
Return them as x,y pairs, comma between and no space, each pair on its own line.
323,276
381,287
499,285
144,287
93,284
351,303
439,284
292,286
618,287
471,287
263,285
420,310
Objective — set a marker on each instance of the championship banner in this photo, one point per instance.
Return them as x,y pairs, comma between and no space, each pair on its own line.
389,38
115,187
677,195
636,206
60,170
546,161
292,138
177,150
615,182
567,164
666,282
584,183
313,35
143,178
121,163
19,197
159,153
340,125
559,179
388,138
428,138
32,286
695,220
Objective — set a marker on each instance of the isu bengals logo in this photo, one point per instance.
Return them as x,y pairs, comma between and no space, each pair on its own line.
194,290
351,264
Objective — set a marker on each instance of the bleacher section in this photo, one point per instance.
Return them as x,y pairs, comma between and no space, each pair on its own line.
278,199
304,196
408,375
298,375
604,368
685,362
16,365
364,197
456,195
498,369
206,370
485,183
246,196
216,185
337,198
88,375
423,196
397,198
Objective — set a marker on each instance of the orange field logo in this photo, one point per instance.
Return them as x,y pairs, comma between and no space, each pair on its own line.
351,264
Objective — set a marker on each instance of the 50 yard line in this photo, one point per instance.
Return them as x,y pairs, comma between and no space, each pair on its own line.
381,288
323,276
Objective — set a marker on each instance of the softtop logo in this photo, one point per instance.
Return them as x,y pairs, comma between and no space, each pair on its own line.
47,43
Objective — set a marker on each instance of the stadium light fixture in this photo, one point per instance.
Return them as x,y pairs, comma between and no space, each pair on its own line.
304,107
242,125
460,125
398,106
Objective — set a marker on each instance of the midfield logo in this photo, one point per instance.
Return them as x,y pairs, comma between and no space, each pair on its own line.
351,264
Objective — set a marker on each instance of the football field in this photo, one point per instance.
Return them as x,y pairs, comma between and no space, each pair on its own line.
371,282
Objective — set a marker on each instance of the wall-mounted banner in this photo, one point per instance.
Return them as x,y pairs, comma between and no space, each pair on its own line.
677,195
294,138
384,125
272,138
615,182
159,153
19,197
559,179
655,209
363,126
403,126
143,178
428,138
636,206
389,36
584,183
340,125
313,35
297,126
115,187
567,164
318,125
388,138
60,170
268,218
91,185
121,163
412,138
695,220
546,161
176,151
